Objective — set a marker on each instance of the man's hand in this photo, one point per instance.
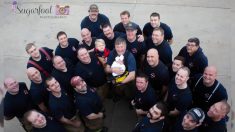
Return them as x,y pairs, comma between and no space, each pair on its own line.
140,38
77,123
117,70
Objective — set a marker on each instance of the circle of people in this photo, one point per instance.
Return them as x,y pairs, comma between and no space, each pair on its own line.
68,87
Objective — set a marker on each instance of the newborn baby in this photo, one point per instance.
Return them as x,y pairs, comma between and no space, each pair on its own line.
118,63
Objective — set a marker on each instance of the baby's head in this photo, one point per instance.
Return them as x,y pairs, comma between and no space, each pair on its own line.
100,45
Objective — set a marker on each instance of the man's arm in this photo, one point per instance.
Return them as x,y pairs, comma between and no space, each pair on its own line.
118,71
174,112
74,123
43,107
130,77
102,60
93,116
108,69
141,112
164,90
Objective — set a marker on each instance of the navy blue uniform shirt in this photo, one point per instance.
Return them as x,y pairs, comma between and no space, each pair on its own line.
88,103
62,106
44,62
146,99
178,125
128,57
158,76
64,77
93,73
211,126
137,49
164,51
39,93
144,125
52,125
120,28
148,30
110,43
196,63
91,46
69,52
17,105
181,99
201,94
95,27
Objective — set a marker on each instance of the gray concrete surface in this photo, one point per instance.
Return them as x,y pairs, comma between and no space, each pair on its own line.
210,20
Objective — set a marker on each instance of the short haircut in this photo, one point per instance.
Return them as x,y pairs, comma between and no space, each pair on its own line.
142,75
120,40
125,13
47,80
80,48
155,14
185,68
225,107
180,58
163,107
159,29
60,33
97,41
194,40
105,25
54,57
26,115
29,46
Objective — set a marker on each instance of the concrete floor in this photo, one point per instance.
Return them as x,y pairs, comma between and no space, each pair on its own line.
209,20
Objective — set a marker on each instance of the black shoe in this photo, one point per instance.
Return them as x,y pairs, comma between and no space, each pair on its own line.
116,98
104,129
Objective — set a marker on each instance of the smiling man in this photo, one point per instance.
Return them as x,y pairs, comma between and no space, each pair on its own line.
40,58
92,71
145,96
155,23
42,123
125,19
179,96
94,21
62,106
17,101
207,89
216,118
154,121
163,47
190,121
195,59
89,105
67,47
157,72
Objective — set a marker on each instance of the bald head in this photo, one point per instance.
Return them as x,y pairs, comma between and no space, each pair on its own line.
34,75
218,110
84,31
152,57
209,75
11,85
86,35
212,69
